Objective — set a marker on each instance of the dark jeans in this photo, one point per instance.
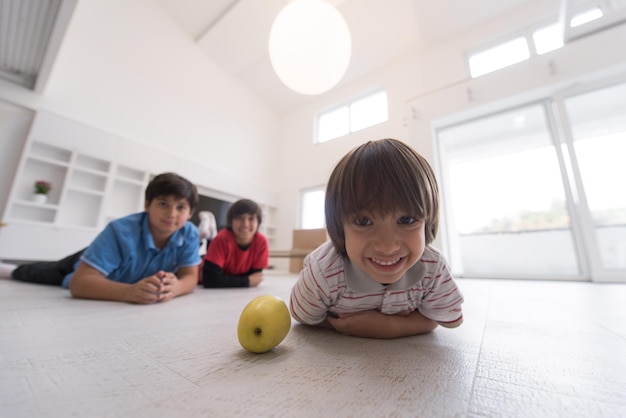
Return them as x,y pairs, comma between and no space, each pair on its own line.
47,272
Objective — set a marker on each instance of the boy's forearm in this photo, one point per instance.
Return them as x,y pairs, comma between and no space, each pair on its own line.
404,326
187,281
94,287
373,324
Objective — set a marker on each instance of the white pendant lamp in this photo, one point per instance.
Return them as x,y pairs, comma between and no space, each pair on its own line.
310,46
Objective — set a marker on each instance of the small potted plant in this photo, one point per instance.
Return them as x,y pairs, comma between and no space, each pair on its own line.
42,188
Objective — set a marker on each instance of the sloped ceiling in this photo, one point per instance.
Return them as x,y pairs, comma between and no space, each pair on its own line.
234,33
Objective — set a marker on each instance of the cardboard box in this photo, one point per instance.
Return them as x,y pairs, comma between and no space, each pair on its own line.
304,241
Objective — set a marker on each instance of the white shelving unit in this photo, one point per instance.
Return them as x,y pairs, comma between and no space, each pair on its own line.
126,194
44,162
89,188
96,177
81,185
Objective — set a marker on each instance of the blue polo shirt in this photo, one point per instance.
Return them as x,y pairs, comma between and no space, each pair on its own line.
125,252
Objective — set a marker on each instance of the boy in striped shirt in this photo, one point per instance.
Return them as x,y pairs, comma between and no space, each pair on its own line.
378,276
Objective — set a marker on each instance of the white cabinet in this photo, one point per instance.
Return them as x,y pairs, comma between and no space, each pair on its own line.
89,189
87,192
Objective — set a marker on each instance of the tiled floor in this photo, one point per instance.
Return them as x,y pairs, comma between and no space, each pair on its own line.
526,349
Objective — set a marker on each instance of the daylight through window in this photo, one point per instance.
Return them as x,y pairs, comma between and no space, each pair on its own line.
544,39
353,116
312,204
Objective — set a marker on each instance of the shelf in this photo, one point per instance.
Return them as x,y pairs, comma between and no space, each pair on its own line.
35,170
85,191
130,175
139,183
92,164
31,203
51,153
33,212
90,171
85,180
125,198
48,161
83,209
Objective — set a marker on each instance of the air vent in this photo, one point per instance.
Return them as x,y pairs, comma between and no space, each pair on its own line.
29,30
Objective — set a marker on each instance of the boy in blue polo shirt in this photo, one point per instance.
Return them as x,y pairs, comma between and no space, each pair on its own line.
146,257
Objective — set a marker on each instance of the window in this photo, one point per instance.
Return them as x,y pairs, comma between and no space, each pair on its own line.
544,39
312,208
599,137
526,198
369,111
586,17
506,200
548,39
353,116
333,124
503,55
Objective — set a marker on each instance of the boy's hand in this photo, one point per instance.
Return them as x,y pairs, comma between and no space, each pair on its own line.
169,281
156,288
356,324
255,278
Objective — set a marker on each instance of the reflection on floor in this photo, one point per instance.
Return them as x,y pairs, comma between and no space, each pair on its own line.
527,349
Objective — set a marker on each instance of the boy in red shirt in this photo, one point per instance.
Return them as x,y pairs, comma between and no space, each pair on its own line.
239,252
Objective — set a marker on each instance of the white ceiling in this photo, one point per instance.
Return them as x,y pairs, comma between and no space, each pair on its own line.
234,33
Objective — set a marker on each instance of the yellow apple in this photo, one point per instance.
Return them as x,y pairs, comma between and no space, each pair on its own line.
263,324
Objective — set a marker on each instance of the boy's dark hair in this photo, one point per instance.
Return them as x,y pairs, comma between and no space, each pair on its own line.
171,184
381,177
241,207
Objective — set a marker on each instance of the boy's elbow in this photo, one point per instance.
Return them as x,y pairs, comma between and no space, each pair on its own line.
75,289
452,324
79,287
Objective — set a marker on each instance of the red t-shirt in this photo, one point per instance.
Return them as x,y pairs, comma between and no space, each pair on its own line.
224,252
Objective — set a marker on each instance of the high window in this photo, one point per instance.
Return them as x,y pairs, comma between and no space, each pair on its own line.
353,116
538,41
312,208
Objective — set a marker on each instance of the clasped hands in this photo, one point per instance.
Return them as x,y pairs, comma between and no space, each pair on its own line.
159,287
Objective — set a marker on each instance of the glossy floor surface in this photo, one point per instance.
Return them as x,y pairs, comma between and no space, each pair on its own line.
526,349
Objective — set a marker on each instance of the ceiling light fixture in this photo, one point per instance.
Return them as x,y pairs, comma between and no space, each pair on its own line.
310,46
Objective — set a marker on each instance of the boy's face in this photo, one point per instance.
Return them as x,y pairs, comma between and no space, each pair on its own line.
244,227
384,247
167,214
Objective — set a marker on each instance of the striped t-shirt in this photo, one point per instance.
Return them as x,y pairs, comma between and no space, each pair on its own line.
329,282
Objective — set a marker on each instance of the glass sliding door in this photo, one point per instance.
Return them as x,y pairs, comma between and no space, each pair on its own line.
537,191
597,127
505,204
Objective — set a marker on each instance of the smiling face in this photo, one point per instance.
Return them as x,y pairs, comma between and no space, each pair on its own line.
244,227
381,177
384,247
166,215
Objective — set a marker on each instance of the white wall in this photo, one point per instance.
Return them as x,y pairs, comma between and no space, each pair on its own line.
126,68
